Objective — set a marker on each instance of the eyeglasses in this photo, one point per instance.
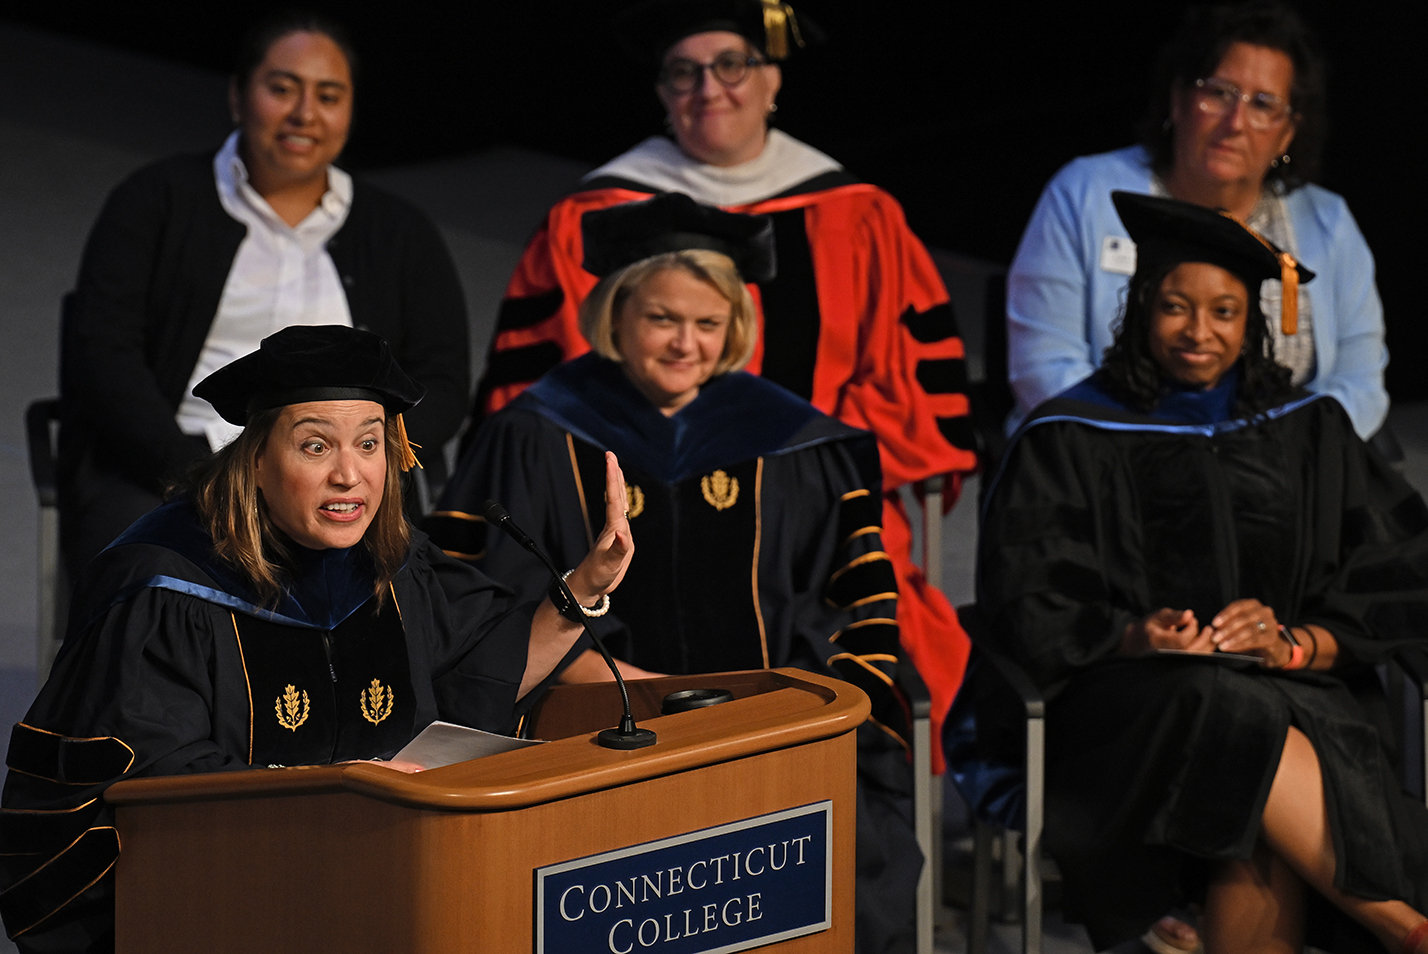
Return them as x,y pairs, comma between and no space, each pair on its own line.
1219,97
730,68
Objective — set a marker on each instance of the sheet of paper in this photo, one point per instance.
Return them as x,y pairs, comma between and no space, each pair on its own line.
443,743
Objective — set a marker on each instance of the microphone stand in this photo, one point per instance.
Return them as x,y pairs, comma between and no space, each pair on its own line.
627,735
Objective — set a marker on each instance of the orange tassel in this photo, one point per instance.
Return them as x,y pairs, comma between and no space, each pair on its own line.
1288,280
1289,303
406,457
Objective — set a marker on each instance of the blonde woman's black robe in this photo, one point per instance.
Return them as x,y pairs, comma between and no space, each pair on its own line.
757,525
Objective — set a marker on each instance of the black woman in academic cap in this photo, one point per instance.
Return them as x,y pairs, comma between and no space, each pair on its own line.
1200,564
758,516
856,321
277,612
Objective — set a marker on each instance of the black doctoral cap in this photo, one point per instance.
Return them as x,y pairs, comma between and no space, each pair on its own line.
312,363
670,222
649,28
1167,232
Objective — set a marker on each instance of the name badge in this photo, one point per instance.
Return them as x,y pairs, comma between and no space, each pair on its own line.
1117,255
745,884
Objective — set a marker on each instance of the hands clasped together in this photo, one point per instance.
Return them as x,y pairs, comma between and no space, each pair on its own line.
1245,626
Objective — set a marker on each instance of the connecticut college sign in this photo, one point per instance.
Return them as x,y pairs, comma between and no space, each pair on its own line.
721,889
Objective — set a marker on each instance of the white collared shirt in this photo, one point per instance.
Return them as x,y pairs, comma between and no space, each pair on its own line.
281,276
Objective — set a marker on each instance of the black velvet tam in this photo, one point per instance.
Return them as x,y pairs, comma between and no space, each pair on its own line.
646,30
1167,232
310,363
671,222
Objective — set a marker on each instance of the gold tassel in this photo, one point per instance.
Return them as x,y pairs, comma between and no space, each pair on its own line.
1288,279
779,21
405,455
1289,300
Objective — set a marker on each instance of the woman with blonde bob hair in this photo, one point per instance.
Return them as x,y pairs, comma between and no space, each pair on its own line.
597,313
277,611
759,517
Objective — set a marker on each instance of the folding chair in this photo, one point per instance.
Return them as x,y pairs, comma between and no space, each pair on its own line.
41,430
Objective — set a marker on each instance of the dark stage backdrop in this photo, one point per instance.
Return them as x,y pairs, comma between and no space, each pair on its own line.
962,111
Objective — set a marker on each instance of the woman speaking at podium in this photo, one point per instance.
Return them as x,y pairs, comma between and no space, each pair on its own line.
279,611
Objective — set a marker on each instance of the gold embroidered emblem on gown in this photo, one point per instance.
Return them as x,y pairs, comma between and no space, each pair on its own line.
377,701
720,490
292,708
636,499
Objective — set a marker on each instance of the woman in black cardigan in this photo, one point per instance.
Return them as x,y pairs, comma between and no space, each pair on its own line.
167,253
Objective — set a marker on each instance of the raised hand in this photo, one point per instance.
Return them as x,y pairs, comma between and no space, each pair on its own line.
604,566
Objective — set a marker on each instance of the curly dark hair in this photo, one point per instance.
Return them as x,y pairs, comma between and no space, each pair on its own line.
1200,43
1133,377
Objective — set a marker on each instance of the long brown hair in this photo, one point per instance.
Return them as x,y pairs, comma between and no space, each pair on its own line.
225,492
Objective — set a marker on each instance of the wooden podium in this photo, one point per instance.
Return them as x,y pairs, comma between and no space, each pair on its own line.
361,858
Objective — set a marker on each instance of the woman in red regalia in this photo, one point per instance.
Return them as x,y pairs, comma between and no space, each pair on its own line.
857,321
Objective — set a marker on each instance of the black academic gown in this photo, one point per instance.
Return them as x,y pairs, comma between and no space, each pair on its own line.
757,530
173,666
1157,767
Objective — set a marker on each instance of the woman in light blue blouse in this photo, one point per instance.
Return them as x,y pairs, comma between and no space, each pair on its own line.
1240,130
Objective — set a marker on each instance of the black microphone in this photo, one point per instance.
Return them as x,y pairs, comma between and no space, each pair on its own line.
627,736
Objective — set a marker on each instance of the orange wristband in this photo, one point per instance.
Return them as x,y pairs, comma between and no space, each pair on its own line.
1414,938
1296,651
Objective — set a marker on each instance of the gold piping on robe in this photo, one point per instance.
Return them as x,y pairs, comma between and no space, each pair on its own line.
872,556
861,532
900,740
243,661
77,893
865,600
758,539
580,490
873,621
72,738
862,661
